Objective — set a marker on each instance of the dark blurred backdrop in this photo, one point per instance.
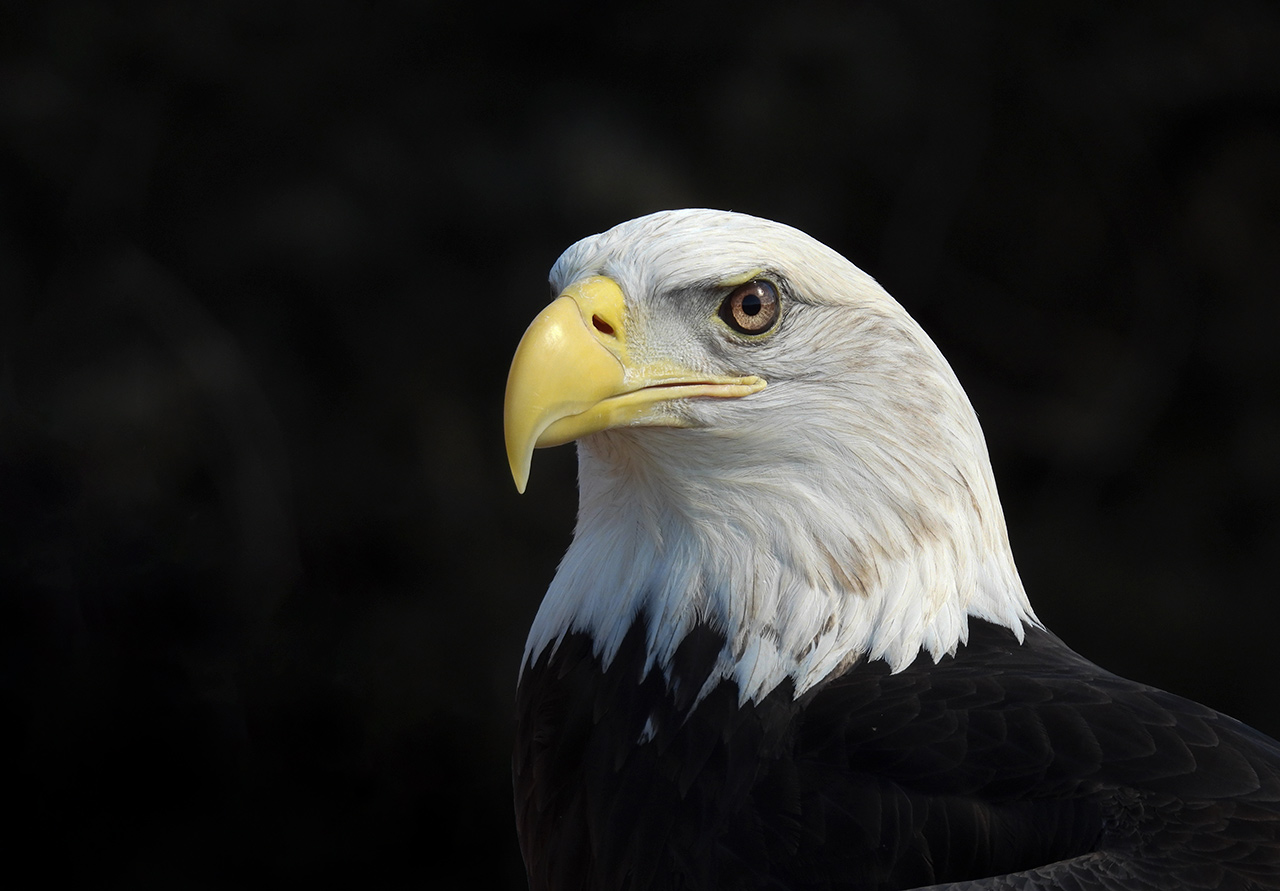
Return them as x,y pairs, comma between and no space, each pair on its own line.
264,577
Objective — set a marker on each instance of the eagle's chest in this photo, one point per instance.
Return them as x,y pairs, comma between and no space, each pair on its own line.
621,781
616,776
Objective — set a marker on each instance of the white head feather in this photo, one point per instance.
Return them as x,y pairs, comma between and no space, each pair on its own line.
846,511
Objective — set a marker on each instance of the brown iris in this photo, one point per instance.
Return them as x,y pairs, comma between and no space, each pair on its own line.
751,308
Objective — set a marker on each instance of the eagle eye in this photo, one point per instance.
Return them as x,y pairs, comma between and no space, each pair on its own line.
751,308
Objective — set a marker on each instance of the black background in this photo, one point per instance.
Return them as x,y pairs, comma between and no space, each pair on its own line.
264,578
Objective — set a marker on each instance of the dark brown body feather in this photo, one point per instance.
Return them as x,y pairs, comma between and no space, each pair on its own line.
1006,766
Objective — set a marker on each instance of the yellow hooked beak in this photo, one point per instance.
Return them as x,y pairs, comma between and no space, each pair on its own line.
572,376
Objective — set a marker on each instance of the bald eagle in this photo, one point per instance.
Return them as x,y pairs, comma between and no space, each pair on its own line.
788,647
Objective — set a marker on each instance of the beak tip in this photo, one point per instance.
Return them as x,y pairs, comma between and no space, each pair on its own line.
519,444
520,472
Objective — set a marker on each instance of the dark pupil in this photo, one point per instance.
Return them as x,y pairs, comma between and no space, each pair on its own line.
751,304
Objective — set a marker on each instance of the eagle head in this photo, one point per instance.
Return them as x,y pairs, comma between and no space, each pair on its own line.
768,444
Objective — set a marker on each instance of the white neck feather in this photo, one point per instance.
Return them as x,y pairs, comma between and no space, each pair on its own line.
804,572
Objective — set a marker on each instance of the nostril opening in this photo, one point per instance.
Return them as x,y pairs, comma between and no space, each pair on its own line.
602,326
